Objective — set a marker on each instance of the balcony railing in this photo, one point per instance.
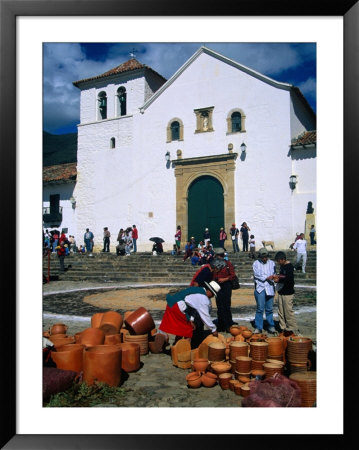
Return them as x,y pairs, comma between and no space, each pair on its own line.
51,216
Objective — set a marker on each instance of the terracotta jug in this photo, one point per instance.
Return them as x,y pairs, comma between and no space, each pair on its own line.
140,321
58,328
96,320
92,336
69,357
102,363
111,322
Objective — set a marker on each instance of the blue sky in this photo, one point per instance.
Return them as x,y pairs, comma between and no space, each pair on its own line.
64,63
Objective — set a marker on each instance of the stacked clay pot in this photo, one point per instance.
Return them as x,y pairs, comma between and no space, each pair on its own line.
258,352
258,374
209,379
245,390
69,357
200,364
112,339
92,336
220,367
243,364
140,322
237,348
130,361
96,320
237,387
141,339
216,351
61,339
102,363
271,369
233,383
184,360
307,381
298,349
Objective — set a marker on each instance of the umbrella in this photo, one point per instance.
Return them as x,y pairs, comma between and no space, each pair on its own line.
157,240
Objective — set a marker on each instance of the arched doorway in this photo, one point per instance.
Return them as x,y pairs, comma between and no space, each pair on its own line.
205,208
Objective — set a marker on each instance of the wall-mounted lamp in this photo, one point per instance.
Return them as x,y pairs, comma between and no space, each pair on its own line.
73,201
243,147
293,181
168,156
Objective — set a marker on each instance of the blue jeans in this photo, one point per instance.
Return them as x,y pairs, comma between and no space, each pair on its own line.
264,303
235,245
134,245
88,245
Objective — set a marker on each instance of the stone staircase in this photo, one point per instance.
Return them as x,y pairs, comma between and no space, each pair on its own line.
144,268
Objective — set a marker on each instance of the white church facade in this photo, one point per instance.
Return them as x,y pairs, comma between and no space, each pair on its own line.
216,144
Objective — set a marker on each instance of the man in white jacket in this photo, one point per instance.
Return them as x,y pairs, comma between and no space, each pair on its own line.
300,246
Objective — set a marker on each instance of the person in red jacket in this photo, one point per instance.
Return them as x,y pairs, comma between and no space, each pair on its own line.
134,238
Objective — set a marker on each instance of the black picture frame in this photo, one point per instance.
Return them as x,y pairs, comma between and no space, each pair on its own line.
9,10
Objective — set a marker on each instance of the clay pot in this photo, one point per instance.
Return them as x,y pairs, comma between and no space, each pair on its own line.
299,367
237,387
184,360
209,379
223,379
275,346
130,356
96,320
258,337
275,361
242,328
232,383
307,381
257,364
111,322
238,349
92,336
194,379
235,330
77,337
140,321
200,364
102,363
233,364
69,357
271,369
58,328
258,350
125,315
112,339
239,338
220,367
54,337
243,377
247,334
243,364
245,390
216,351
141,339
298,349
63,341
123,331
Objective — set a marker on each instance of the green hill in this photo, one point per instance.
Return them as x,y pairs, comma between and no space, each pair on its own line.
59,148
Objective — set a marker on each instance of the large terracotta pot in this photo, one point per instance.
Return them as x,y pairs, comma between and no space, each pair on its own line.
58,328
307,381
243,364
200,364
275,346
125,315
141,339
298,349
238,349
271,369
102,363
235,330
258,350
96,320
130,356
69,357
111,322
140,321
92,336
112,339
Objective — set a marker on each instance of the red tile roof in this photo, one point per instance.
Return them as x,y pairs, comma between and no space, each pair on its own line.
61,173
306,138
128,66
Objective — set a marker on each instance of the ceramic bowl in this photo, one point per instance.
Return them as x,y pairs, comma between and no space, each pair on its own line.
194,379
209,379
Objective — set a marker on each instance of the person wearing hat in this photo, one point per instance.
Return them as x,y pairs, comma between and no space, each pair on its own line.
264,276
206,236
187,314
205,273
234,232
222,237
224,298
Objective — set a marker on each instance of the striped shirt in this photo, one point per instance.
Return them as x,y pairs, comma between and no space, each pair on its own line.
261,271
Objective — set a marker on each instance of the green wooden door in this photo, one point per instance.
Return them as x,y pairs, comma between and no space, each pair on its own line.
205,208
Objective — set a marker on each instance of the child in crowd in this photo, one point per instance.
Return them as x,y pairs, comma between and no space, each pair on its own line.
252,246
81,249
174,250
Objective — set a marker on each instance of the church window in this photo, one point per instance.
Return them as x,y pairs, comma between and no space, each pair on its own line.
112,142
175,130
236,122
102,105
175,127
121,101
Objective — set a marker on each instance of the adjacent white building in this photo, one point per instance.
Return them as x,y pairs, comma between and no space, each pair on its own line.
216,144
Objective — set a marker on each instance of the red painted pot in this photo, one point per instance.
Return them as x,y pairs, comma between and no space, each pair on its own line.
140,322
